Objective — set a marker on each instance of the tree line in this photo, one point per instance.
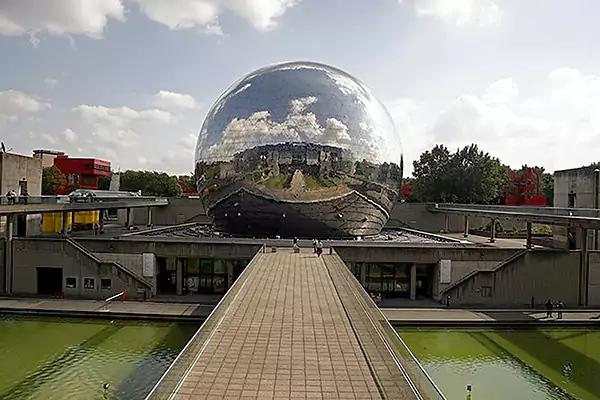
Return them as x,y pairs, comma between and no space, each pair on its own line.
468,175
150,183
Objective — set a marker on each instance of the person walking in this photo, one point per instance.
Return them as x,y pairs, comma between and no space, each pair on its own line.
560,306
469,397
314,245
319,248
549,307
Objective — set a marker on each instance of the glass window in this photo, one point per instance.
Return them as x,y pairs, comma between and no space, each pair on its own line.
71,283
193,266
219,267
106,283
88,283
374,270
206,266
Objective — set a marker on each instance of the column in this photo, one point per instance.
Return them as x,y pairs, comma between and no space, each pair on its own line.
179,276
363,275
128,217
583,266
413,281
446,223
149,216
528,243
229,270
493,231
65,224
101,220
466,233
8,262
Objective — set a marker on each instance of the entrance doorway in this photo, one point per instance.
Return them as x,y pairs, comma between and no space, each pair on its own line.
49,280
166,279
424,281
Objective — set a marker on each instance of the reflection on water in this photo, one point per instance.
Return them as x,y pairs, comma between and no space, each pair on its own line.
50,359
510,364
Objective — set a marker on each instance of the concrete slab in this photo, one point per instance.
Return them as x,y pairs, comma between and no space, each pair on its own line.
484,240
281,333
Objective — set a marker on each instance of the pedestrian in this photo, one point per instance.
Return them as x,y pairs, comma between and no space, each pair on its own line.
314,245
96,229
469,392
295,241
319,248
549,307
560,306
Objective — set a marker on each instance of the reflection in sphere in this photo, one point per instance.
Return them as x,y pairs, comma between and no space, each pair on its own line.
299,102
303,144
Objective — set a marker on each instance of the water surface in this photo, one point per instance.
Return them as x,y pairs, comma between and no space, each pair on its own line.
555,364
48,358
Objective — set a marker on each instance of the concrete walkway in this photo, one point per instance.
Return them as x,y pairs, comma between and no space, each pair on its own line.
93,306
282,333
457,316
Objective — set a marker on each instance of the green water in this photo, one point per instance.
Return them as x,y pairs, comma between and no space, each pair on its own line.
43,358
531,364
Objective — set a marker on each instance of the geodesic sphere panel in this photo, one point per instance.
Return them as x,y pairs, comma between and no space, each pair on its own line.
299,102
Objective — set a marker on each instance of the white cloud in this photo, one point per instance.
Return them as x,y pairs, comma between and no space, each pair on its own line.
58,17
120,116
69,136
557,125
185,14
166,100
13,102
460,12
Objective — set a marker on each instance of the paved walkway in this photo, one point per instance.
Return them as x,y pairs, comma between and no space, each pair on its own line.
493,315
127,307
284,335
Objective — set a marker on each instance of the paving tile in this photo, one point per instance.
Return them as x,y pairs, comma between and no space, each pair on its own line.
284,334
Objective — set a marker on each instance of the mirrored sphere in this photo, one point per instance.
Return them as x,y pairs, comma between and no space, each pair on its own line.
298,149
299,102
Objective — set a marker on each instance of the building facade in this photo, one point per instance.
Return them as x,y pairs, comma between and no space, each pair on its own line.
81,173
47,156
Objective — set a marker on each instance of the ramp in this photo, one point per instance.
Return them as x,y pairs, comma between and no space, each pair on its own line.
290,327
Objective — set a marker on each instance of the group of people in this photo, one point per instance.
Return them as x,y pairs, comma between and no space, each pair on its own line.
317,246
550,305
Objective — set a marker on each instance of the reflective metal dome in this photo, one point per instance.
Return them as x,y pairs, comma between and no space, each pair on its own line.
299,102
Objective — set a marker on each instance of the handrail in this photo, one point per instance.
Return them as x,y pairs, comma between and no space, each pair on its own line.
172,377
114,297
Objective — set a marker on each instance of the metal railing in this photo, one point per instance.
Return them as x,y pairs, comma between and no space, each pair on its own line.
180,368
399,351
27,200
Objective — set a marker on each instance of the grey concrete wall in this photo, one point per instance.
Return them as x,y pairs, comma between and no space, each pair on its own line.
460,269
133,262
541,274
32,253
424,254
174,248
579,181
416,216
594,279
180,210
2,261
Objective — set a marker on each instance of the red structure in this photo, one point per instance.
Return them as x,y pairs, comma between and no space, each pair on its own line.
525,188
186,190
406,191
81,173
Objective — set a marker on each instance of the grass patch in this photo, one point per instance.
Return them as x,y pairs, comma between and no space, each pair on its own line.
316,183
279,181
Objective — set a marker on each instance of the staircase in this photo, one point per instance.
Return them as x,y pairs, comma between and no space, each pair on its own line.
85,257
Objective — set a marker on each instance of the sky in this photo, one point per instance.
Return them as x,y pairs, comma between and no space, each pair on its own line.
130,81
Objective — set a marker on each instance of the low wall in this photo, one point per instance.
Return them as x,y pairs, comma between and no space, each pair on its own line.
179,211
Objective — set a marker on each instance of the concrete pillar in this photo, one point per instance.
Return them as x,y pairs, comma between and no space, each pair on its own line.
413,281
229,267
446,223
584,269
128,217
596,204
178,276
8,259
149,216
363,275
493,231
528,242
101,220
466,233
65,224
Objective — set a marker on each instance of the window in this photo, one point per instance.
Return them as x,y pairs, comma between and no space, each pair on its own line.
71,283
572,197
88,283
105,283
486,291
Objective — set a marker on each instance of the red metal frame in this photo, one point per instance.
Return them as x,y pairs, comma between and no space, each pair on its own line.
525,188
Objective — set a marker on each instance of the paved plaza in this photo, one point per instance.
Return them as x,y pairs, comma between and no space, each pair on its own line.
284,335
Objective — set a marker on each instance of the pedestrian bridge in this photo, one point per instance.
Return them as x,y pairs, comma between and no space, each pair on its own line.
295,325
54,204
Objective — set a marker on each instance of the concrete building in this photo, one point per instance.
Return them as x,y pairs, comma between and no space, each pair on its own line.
575,188
15,169
47,156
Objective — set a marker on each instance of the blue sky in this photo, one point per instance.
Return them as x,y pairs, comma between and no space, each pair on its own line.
131,80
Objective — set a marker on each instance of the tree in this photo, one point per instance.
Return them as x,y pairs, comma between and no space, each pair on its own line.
151,183
104,182
467,176
52,180
548,188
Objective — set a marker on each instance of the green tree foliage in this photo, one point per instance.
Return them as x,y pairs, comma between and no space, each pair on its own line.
52,179
467,176
104,183
151,183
